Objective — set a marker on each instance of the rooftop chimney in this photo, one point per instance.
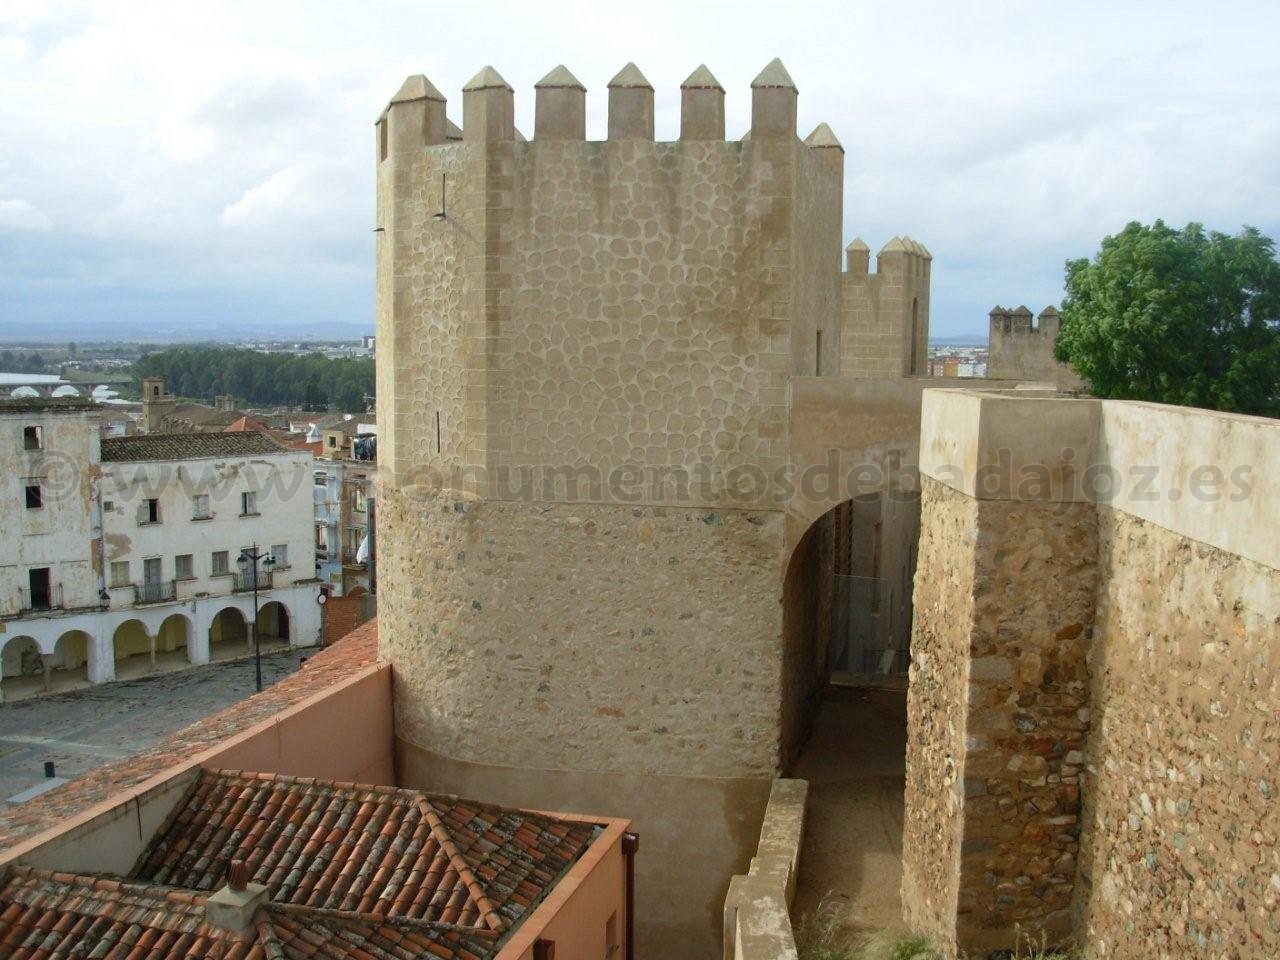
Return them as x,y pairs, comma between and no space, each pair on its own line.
233,906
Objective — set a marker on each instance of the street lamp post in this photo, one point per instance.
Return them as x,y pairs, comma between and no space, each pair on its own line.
248,560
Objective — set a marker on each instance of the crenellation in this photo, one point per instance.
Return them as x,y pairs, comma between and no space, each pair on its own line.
488,108
773,104
415,117
560,107
1021,348
630,105
701,106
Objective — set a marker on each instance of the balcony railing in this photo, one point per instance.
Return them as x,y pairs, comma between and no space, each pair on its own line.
50,599
163,591
244,581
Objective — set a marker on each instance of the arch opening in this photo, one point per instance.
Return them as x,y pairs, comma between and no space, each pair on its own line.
228,635
846,649
174,642
133,650
70,662
274,624
22,668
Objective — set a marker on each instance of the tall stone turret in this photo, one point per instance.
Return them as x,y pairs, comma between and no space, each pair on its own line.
586,352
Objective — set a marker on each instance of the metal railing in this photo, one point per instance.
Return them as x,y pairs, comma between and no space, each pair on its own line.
50,599
244,581
162,591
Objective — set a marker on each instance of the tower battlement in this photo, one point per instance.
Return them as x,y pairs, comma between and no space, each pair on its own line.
886,311
416,116
1020,347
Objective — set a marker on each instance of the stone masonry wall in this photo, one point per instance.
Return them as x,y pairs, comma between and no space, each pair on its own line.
1034,590
996,716
936,697
646,638
1181,847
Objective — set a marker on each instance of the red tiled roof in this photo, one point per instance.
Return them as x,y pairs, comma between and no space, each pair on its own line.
353,652
51,916
54,915
352,873
245,424
372,850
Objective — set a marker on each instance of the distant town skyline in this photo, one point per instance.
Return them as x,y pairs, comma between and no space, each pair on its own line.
187,167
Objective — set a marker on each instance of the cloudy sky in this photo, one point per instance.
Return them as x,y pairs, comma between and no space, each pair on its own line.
201,163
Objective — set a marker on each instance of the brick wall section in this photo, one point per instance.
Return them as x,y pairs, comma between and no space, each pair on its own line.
344,614
358,649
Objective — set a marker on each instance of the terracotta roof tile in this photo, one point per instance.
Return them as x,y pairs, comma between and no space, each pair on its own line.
187,446
371,850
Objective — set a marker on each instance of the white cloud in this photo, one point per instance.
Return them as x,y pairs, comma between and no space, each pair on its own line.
230,144
20,215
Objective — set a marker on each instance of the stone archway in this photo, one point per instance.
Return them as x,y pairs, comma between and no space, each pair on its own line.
846,632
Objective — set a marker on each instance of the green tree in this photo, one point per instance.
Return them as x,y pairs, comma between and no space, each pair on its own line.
1177,316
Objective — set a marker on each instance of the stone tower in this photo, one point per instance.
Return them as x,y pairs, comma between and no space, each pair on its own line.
585,352
157,403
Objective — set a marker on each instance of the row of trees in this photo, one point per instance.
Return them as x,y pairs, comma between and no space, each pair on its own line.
1177,316
22,362
310,380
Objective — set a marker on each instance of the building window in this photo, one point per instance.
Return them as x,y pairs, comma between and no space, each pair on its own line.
361,499
149,511
35,498
280,556
108,506
120,573
40,584
200,507
322,537
183,567
248,504
32,438
219,563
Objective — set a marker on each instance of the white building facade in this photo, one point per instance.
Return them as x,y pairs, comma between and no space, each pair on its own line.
132,552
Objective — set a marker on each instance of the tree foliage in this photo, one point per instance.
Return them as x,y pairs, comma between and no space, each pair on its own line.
1177,316
309,380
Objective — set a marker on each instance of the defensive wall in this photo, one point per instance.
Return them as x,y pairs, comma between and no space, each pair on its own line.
1094,698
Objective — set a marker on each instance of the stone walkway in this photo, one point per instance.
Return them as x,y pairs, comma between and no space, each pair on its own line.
852,851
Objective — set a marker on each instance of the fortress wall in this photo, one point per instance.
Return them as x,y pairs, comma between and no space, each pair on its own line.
1098,535
1019,349
1182,815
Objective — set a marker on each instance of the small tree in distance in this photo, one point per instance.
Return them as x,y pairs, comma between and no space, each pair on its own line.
1177,316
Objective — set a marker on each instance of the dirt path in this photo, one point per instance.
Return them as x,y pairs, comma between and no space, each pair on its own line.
853,832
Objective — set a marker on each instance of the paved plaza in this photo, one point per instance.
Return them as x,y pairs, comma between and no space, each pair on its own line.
86,728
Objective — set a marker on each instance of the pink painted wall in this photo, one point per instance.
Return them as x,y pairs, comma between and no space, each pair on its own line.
344,733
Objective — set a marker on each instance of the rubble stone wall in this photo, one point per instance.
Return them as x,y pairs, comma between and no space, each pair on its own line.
1181,846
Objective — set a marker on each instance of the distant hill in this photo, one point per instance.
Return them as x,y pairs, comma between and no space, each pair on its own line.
964,340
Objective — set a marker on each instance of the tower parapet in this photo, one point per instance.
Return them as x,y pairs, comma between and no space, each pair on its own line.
1020,347
885,314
